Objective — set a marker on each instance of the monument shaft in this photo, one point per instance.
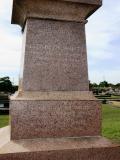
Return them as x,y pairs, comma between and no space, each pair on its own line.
55,56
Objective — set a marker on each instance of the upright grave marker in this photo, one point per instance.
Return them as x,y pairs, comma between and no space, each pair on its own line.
54,115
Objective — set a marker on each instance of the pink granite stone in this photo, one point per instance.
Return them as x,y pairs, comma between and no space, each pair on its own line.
54,116
40,119
67,10
81,148
108,153
54,56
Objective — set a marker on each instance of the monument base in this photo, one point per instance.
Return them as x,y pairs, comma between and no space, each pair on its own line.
79,148
55,114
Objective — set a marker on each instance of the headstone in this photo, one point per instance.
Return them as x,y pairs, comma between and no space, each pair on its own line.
54,115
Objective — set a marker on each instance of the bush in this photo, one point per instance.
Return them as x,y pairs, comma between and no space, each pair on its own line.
104,101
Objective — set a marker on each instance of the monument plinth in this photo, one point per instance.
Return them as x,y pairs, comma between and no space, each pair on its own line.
54,115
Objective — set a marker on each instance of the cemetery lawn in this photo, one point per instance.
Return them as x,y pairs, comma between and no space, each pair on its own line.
111,122
4,120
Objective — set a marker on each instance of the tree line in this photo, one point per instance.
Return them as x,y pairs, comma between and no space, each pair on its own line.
104,84
6,85
103,87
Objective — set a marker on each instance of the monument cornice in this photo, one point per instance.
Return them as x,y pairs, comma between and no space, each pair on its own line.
72,10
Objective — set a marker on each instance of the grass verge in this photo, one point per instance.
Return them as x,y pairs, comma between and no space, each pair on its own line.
4,120
111,122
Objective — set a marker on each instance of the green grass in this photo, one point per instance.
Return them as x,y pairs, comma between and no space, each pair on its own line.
115,97
111,122
4,120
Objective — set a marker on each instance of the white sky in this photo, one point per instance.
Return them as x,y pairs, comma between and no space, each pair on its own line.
103,43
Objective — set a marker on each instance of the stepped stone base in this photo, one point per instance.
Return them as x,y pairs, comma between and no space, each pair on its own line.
82,148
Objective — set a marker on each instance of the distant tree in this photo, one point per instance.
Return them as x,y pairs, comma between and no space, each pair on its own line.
6,85
103,87
90,85
15,88
117,85
104,84
95,85
111,85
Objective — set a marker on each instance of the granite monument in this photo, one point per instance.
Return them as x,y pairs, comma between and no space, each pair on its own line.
54,115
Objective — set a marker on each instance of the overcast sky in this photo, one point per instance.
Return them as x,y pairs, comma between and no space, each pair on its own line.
103,43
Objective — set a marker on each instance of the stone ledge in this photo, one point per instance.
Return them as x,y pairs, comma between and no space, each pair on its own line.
50,144
98,2
72,10
54,95
77,148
